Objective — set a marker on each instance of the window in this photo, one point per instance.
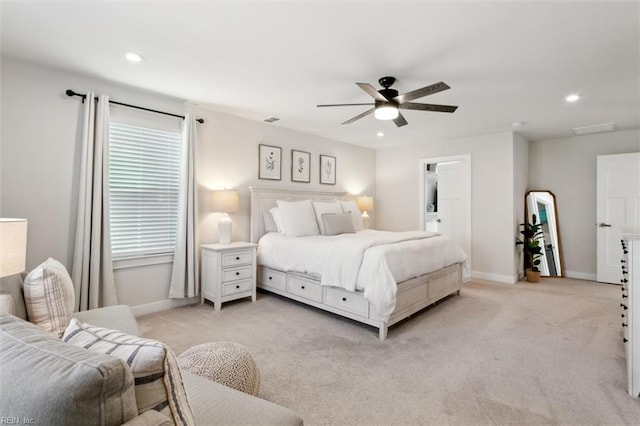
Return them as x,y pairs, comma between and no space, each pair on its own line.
144,184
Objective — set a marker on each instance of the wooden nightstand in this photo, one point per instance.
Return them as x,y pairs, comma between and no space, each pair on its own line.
228,272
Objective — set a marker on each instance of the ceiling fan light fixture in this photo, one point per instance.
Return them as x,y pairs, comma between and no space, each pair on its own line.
386,112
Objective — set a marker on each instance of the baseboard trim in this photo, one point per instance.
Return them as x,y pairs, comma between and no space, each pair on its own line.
494,277
580,275
163,305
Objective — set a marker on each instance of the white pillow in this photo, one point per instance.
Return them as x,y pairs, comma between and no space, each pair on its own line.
298,218
49,296
277,218
323,208
356,215
338,223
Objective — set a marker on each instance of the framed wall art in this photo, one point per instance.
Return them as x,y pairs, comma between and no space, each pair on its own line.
300,166
270,162
327,170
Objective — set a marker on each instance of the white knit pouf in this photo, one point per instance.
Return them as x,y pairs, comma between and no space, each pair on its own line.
223,362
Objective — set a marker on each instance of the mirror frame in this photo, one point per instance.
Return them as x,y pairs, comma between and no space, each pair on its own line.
555,212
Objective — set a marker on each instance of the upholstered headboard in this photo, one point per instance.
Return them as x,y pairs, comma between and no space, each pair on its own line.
262,199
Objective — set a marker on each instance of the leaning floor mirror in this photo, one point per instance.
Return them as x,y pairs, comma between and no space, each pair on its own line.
542,204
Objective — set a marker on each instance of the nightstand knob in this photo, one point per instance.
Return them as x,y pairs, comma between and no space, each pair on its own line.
624,296
237,286
623,306
270,278
237,273
624,325
302,287
622,315
624,339
237,257
344,299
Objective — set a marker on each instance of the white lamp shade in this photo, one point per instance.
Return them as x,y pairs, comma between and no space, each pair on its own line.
386,112
13,246
225,201
365,204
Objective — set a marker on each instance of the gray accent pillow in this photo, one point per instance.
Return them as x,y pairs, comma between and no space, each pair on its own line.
58,384
337,223
269,222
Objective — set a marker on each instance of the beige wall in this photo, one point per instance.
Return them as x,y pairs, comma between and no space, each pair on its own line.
493,219
39,166
567,167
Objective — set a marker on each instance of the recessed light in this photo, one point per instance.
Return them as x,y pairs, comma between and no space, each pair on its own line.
572,97
380,134
133,56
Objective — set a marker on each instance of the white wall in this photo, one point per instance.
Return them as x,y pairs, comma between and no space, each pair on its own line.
567,167
520,182
493,220
39,166
228,157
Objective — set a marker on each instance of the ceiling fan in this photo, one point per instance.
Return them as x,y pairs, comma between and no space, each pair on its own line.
387,102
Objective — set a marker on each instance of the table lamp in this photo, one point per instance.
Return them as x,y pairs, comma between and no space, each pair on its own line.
225,201
13,246
365,204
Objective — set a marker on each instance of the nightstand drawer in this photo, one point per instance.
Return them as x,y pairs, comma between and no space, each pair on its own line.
347,301
305,288
237,287
237,258
235,274
274,279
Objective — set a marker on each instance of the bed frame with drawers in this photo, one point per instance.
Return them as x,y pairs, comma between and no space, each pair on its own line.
413,295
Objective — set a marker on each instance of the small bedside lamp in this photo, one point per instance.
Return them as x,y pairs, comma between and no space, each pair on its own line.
365,204
13,246
225,201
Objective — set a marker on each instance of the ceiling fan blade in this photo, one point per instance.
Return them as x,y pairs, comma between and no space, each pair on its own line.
359,116
400,121
334,105
428,107
419,93
372,92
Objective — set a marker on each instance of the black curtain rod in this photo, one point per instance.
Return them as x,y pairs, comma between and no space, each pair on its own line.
70,92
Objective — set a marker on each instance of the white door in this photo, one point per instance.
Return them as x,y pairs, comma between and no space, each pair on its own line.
452,216
618,207
451,200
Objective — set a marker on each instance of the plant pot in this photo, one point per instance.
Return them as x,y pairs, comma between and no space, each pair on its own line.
533,276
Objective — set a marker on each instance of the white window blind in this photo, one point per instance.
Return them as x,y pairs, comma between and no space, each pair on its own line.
144,184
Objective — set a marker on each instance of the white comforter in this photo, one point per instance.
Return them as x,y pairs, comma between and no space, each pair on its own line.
369,260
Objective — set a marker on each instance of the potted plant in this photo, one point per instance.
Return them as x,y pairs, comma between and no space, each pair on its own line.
531,233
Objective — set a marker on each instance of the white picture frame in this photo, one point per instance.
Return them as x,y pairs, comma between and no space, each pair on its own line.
327,170
269,162
300,166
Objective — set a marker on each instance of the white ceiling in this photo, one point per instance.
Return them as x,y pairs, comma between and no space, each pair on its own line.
505,62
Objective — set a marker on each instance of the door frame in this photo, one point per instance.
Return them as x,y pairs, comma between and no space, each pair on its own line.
422,163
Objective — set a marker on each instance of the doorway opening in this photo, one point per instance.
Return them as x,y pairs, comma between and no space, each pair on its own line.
445,198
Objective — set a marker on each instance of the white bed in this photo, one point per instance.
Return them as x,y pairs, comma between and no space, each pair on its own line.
355,275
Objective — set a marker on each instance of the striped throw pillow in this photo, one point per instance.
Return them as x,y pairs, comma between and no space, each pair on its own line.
49,296
158,383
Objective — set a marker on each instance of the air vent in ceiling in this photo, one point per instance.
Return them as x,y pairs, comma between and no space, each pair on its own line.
596,128
271,119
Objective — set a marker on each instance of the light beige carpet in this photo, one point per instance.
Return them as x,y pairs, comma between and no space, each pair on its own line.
548,353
